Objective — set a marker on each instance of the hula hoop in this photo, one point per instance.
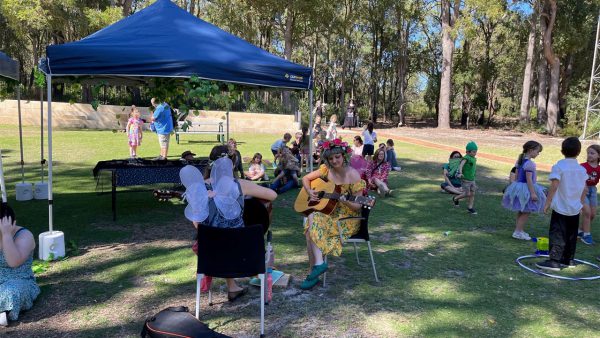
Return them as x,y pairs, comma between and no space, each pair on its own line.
539,272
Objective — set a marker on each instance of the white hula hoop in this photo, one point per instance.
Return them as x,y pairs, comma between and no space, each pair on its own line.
539,272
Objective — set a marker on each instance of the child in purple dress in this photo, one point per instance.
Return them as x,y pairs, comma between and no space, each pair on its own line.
134,131
524,195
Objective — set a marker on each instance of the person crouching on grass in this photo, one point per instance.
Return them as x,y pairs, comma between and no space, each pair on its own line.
565,198
466,172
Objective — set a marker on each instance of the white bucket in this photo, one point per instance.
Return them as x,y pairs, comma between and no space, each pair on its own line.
24,191
52,242
40,190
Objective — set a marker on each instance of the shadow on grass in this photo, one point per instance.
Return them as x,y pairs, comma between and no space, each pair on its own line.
466,283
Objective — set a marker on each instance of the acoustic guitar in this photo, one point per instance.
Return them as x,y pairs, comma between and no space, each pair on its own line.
329,194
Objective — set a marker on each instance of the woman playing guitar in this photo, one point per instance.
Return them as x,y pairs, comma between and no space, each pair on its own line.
322,236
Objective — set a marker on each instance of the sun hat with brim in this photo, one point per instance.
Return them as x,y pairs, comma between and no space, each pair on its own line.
186,153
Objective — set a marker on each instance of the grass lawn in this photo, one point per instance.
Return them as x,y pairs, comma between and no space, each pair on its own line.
463,284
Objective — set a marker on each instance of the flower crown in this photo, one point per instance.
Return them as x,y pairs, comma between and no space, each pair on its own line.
337,143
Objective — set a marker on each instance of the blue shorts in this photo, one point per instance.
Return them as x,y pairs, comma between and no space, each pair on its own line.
591,198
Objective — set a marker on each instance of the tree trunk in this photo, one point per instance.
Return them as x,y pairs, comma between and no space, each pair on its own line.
542,101
127,7
467,103
193,7
566,76
374,76
403,34
554,64
447,54
288,35
524,111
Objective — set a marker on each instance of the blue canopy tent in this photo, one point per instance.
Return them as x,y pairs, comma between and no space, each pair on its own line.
9,69
164,40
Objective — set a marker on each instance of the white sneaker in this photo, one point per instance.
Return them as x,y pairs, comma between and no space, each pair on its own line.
397,169
3,319
521,235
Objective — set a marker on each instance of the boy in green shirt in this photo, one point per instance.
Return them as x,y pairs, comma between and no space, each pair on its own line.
466,171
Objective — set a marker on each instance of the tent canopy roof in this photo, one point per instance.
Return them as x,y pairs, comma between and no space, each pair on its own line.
9,68
164,40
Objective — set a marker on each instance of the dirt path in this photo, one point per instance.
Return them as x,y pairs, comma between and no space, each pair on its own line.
491,137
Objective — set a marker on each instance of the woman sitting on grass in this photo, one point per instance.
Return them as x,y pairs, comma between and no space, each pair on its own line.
18,288
452,184
217,200
377,173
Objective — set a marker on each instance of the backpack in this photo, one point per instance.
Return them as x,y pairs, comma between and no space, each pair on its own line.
174,116
177,322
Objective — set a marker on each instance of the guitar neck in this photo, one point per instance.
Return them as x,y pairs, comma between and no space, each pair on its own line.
336,196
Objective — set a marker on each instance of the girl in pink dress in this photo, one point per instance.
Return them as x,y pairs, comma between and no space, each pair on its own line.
377,172
134,131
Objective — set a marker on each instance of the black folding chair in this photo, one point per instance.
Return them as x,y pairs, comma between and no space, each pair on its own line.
231,253
361,237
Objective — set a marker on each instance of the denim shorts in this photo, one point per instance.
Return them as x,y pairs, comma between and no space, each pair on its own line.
591,198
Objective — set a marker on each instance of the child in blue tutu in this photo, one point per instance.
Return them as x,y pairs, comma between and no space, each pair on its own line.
524,195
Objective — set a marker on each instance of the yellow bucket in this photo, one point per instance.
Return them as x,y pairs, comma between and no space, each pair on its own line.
542,244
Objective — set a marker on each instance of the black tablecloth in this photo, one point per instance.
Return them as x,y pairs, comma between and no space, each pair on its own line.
141,172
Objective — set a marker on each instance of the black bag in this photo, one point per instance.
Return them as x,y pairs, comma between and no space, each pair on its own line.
177,322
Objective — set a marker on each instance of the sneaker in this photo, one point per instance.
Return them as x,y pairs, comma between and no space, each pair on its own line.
549,265
472,211
455,201
397,169
158,158
587,239
580,234
521,235
308,284
572,264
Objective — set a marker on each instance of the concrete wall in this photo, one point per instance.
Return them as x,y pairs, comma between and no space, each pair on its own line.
79,115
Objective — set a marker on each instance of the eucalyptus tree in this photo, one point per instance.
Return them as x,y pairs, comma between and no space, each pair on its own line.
450,12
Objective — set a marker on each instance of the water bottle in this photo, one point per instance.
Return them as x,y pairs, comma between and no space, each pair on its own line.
269,263
269,285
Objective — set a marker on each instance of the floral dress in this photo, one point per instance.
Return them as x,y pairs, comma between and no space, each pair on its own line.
18,289
377,171
324,231
133,133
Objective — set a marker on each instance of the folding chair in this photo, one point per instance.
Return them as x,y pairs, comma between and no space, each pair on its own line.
361,237
231,253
